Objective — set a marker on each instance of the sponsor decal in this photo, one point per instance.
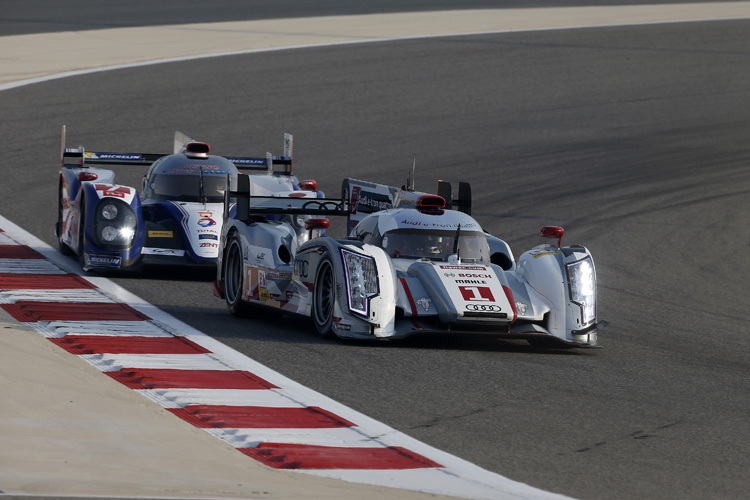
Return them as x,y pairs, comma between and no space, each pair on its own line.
542,254
521,308
103,260
476,293
205,167
160,234
425,303
449,275
206,222
471,282
435,225
114,156
464,268
107,190
474,275
366,202
208,237
301,267
162,251
262,279
483,307
279,276
264,295
248,161
196,169
261,256
248,284
354,201
209,245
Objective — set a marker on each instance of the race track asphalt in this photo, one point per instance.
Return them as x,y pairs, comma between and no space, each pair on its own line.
633,138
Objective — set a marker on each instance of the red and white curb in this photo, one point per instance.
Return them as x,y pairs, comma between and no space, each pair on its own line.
263,414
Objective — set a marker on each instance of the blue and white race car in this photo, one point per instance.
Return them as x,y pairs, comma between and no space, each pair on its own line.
177,217
413,263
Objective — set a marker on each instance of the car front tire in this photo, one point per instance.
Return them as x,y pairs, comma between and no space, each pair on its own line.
324,298
64,248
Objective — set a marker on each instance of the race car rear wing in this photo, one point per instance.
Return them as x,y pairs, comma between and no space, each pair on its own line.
267,164
263,164
79,157
368,197
358,199
249,206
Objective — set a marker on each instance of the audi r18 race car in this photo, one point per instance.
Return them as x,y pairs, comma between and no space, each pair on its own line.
413,263
176,218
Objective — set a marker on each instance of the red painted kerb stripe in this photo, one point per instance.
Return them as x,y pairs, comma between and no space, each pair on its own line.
259,417
18,281
100,344
165,378
27,311
19,252
300,456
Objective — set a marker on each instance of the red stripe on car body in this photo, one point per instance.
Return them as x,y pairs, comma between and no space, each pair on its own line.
512,302
412,304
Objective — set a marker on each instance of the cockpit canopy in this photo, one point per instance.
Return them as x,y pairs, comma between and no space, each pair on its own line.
436,244
182,178
407,233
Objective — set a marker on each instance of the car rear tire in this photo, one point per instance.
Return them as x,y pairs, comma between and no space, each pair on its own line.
234,278
82,234
64,248
324,298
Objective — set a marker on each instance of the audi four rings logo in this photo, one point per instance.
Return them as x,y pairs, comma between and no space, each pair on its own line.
483,307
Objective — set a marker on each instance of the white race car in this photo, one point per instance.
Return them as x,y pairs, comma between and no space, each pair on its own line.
412,264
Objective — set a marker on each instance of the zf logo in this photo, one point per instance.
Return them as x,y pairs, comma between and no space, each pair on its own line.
477,293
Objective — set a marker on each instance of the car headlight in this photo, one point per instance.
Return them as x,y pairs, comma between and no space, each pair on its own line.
116,223
582,283
109,211
361,281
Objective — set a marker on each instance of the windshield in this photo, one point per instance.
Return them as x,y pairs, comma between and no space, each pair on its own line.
436,245
187,187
